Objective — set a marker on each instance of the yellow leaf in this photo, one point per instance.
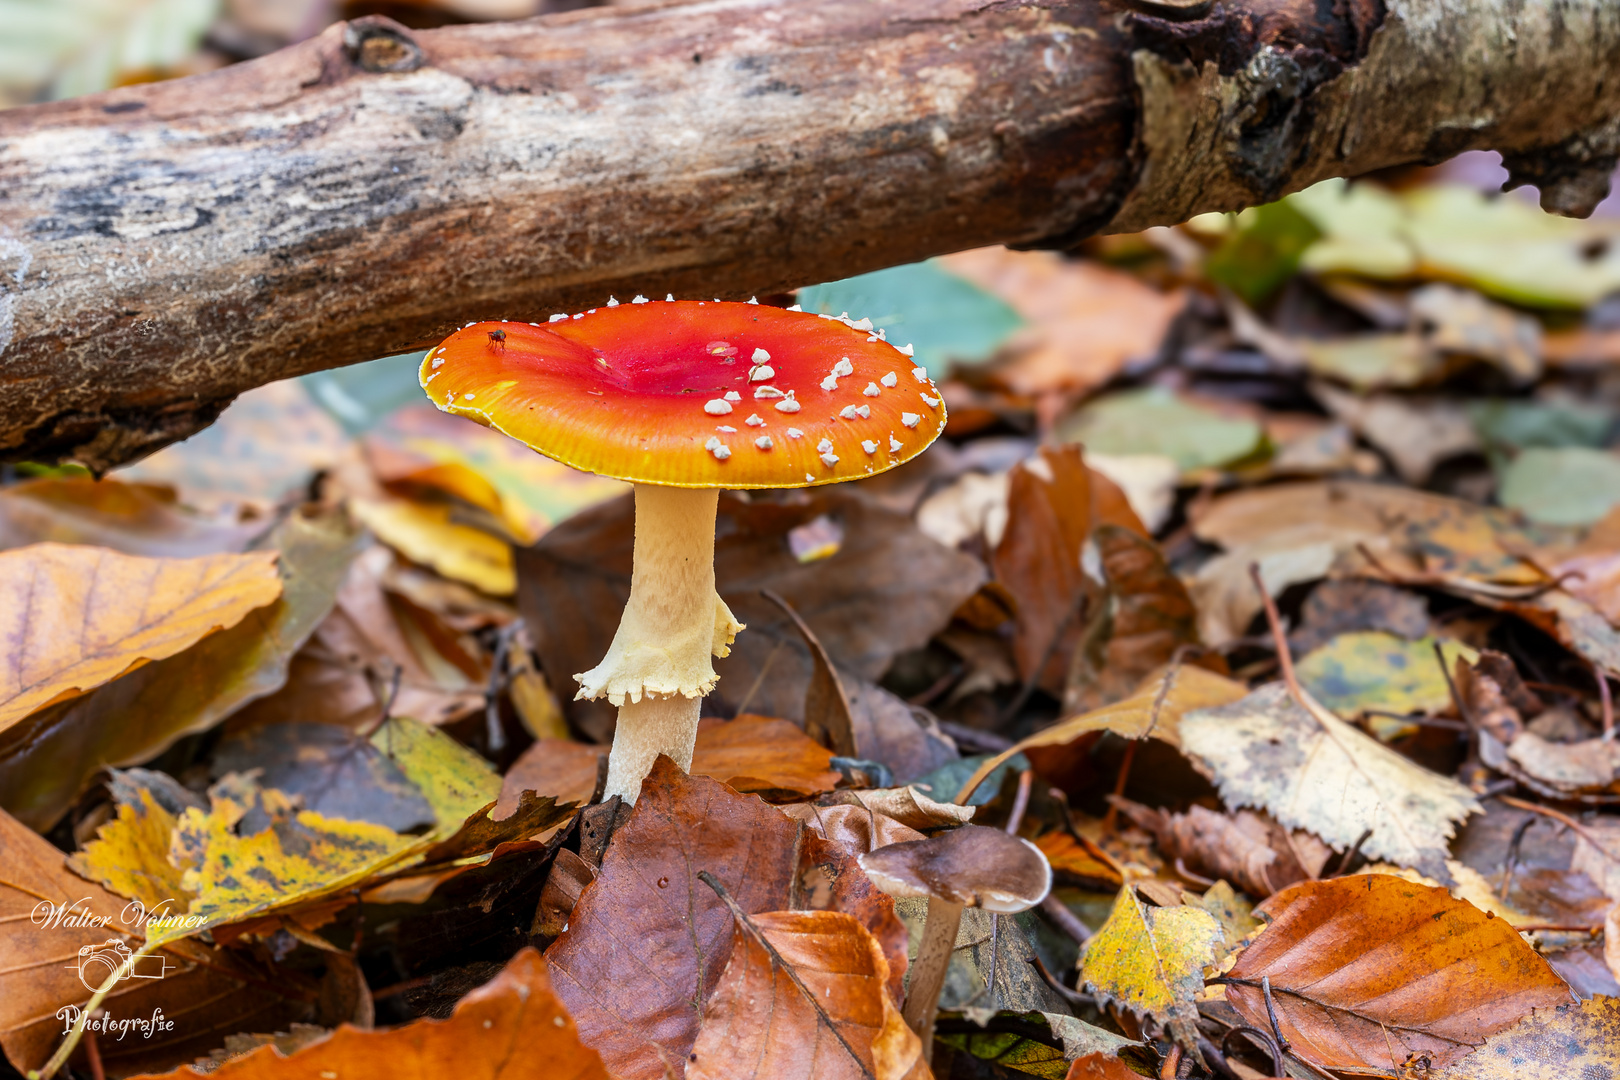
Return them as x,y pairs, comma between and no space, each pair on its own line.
288,855
130,853
1154,710
456,781
1312,771
76,617
426,533
1152,960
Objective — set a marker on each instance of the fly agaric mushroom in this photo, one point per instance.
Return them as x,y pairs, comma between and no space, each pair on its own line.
970,866
683,398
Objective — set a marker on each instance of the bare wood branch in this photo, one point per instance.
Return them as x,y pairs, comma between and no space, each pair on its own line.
164,247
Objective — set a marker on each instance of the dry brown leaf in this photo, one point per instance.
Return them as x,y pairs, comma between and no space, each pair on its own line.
1150,618
1375,971
136,519
1247,848
771,758
1087,320
346,670
1080,862
47,759
648,941
1049,517
853,828
759,1025
1312,771
1154,710
76,617
511,1028
561,768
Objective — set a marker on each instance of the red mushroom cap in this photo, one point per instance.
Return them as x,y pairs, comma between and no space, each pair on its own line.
690,394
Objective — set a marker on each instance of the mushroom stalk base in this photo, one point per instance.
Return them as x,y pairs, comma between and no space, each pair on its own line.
647,728
660,664
940,927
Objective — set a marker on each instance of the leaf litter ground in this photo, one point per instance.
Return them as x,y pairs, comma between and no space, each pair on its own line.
289,746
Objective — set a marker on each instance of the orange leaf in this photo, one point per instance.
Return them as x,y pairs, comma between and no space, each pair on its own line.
73,618
763,756
760,1026
511,1028
1374,971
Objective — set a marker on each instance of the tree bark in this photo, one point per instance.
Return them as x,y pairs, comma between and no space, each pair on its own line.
165,247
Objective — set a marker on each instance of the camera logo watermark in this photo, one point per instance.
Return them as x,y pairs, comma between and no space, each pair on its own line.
114,962
103,966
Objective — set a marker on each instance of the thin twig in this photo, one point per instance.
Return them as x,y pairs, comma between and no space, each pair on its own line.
1271,1012
1285,659
787,969
1216,1058
1607,698
1512,862
65,1051
1111,818
1580,830
1272,1048
1064,919
1349,856
1051,980
1020,801
92,1054
1463,710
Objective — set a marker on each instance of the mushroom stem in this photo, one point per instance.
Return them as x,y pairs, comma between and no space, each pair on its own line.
940,926
647,728
660,665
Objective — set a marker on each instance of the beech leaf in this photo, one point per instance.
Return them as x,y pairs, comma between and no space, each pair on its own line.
759,1025
47,759
511,1028
647,942
1376,971
1312,771
73,618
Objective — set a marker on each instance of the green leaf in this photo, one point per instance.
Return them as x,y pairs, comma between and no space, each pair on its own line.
361,395
1511,424
1573,485
1155,421
946,318
61,48
1264,252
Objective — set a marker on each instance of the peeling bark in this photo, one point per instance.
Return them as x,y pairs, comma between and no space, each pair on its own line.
164,247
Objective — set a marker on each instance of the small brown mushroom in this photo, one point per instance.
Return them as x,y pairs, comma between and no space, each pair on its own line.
967,867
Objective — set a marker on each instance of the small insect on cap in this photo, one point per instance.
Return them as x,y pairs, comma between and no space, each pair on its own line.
689,394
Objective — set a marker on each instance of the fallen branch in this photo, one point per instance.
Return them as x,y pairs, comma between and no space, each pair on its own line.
165,247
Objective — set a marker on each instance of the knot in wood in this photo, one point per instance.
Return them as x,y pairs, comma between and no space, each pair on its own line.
378,44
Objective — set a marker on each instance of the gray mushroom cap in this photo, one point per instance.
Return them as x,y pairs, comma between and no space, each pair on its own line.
973,866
